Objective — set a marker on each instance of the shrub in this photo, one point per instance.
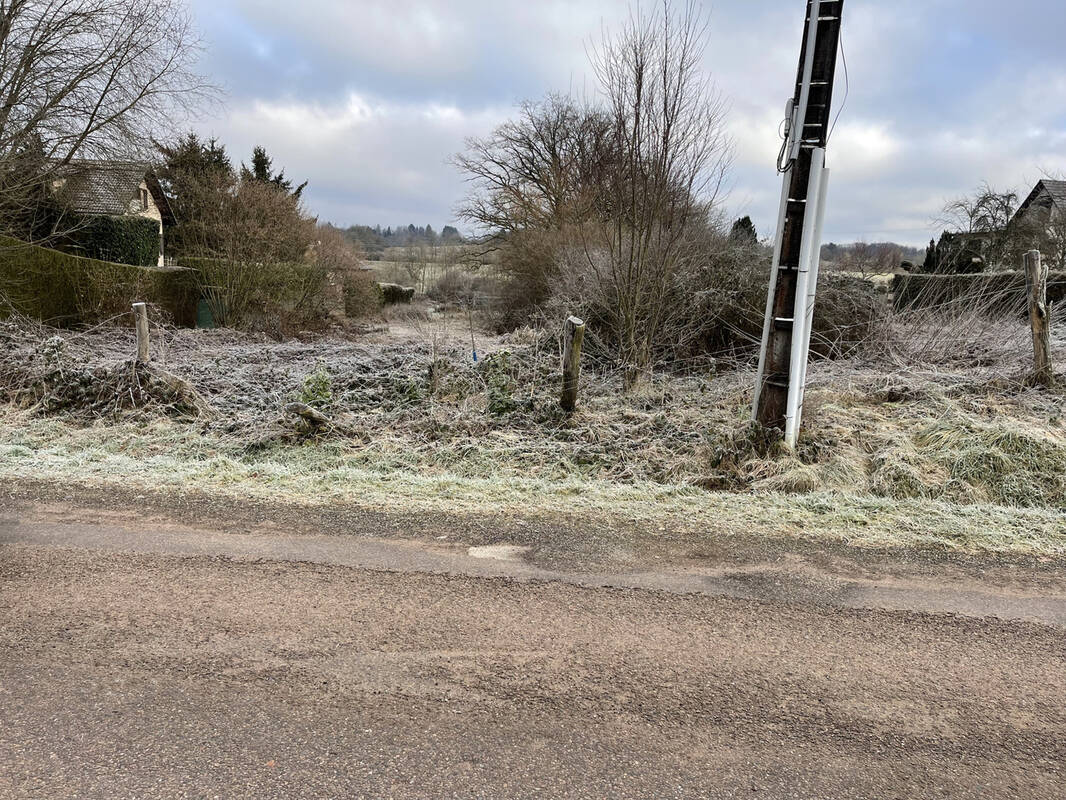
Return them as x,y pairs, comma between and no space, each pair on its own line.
994,292
529,260
848,312
65,289
715,306
457,285
317,389
350,289
393,293
362,295
121,240
281,298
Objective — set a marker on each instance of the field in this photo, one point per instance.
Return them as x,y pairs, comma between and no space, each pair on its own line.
952,452
464,273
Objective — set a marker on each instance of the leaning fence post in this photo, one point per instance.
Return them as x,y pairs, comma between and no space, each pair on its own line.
1036,274
140,314
573,336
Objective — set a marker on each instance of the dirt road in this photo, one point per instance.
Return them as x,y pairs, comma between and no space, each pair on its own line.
174,662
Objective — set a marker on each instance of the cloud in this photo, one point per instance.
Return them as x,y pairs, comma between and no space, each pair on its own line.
368,100
365,159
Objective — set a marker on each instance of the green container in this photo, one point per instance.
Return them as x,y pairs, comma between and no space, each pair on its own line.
204,317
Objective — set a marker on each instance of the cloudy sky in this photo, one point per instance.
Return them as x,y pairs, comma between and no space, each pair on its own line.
368,99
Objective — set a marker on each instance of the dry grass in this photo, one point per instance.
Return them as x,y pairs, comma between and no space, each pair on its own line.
175,457
956,454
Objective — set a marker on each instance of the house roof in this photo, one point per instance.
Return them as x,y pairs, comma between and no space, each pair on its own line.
1055,191
101,187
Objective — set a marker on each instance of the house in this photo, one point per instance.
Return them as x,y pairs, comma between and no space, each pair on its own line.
1041,221
118,189
1047,199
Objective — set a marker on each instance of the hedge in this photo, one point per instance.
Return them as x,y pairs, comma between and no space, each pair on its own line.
393,293
287,296
996,292
119,240
64,289
363,296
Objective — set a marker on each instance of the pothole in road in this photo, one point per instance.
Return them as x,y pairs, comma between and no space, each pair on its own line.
500,552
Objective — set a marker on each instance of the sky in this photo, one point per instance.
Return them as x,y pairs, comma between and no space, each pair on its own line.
369,100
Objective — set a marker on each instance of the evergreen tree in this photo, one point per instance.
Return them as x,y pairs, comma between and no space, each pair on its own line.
744,231
931,263
261,165
197,177
263,171
190,156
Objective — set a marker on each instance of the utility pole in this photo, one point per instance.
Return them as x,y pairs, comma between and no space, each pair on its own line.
794,273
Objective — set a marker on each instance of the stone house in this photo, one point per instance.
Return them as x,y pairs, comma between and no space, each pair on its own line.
91,188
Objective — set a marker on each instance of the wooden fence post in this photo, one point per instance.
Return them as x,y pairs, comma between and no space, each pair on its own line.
140,314
573,337
1036,274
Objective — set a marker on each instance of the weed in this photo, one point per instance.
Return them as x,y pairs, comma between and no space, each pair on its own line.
317,389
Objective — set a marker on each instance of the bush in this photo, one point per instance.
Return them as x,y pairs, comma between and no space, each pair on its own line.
120,240
848,312
350,290
529,261
457,285
715,305
317,389
65,289
995,292
279,298
392,293
363,296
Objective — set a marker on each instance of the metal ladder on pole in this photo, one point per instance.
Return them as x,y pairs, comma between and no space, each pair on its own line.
786,336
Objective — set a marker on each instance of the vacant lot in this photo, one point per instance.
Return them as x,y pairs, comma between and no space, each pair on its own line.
953,451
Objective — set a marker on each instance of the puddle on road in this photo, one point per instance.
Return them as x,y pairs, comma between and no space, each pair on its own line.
500,552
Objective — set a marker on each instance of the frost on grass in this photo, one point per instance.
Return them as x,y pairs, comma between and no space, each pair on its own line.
921,450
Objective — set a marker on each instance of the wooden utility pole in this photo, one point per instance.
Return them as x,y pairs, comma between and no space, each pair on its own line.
573,338
140,315
794,275
1036,273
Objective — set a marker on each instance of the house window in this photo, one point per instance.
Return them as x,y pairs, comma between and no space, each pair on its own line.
144,198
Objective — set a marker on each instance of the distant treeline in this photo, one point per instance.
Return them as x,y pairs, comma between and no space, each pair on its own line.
870,257
375,240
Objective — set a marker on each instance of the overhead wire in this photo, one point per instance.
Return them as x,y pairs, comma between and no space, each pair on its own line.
847,87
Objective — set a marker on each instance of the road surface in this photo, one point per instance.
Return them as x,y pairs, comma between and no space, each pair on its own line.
165,661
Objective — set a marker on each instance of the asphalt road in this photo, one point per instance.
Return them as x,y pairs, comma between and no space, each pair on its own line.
203,667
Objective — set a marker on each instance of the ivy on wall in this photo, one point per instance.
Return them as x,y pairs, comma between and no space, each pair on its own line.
119,240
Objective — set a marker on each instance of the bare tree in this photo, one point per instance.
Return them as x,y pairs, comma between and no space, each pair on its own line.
978,227
537,171
605,205
416,258
251,223
88,79
864,258
532,181
672,155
